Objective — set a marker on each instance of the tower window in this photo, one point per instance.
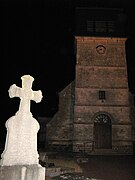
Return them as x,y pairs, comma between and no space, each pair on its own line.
102,95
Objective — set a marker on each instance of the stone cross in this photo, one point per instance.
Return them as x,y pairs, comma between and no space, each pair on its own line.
25,93
22,128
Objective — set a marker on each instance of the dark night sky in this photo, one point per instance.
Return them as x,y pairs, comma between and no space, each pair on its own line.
37,38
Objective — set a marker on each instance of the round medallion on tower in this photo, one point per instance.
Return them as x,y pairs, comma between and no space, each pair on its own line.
100,49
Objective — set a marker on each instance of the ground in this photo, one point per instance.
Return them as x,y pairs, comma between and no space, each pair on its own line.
95,167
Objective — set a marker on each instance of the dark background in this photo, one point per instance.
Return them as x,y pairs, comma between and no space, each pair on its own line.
37,38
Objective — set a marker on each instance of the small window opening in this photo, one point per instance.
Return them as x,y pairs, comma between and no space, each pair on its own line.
102,95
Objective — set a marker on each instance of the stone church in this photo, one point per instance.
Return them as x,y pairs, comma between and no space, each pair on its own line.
95,110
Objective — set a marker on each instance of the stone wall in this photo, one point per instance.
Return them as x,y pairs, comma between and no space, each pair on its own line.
101,65
60,128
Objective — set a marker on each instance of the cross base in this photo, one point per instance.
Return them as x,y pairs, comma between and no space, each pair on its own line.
28,172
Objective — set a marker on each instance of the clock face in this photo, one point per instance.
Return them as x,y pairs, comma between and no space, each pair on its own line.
102,118
100,49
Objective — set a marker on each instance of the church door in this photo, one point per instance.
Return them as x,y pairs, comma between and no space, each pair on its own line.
103,132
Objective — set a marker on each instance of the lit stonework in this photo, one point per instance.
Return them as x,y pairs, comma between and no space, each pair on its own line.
97,72
94,112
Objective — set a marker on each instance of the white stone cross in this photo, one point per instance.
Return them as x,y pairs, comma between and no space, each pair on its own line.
22,129
25,93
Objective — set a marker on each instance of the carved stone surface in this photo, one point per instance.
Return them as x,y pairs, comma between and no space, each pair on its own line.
22,128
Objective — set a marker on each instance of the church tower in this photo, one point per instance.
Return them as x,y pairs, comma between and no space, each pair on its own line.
94,115
102,121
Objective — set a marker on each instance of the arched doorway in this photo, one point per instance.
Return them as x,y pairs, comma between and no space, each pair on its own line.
102,131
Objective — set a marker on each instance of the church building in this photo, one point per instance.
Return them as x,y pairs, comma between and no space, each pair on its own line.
95,110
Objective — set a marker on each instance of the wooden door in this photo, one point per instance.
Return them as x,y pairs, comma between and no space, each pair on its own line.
103,132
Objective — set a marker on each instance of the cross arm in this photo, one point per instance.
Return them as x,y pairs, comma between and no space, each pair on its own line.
37,96
14,91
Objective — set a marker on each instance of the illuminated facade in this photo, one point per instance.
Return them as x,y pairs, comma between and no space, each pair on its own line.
102,109
95,112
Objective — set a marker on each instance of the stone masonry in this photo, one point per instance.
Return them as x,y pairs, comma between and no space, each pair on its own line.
89,123
101,66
